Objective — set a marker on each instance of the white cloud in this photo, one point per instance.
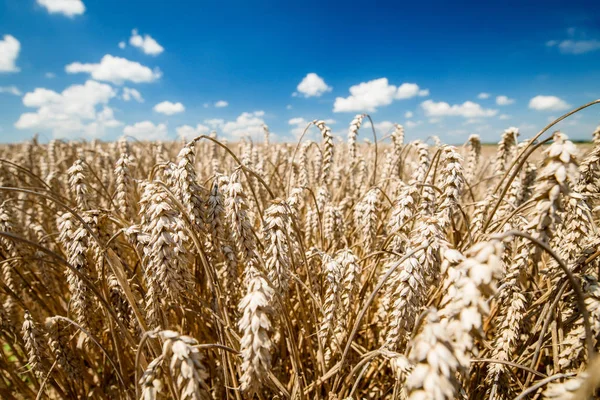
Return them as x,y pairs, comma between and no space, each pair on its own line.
129,94
367,96
206,105
50,75
116,70
297,120
188,132
548,103
575,46
384,127
9,52
299,124
168,108
409,90
145,43
146,131
70,8
104,119
504,116
215,122
504,100
288,107
73,112
221,104
313,86
483,96
468,109
245,124
41,97
10,90
412,124
122,45
408,114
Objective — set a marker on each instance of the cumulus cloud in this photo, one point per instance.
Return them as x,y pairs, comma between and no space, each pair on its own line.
145,43
408,114
122,45
409,90
104,119
313,86
246,124
570,46
299,124
483,96
367,96
132,94
221,104
384,126
50,75
10,90
504,100
70,8
215,122
146,131
504,116
188,132
168,108
548,103
468,109
9,52
116,70
73,112
412,124
297,121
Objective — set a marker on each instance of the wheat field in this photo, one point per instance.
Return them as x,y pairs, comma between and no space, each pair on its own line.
330,269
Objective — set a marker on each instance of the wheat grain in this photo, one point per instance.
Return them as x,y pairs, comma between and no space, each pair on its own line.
443,347
35,346
277,253
255,325
310,270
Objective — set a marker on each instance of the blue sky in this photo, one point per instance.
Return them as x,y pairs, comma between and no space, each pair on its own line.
157,70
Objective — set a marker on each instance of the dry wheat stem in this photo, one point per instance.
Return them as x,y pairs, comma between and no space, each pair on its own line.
278,270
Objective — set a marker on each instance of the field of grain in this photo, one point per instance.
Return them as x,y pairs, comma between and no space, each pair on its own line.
317,270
